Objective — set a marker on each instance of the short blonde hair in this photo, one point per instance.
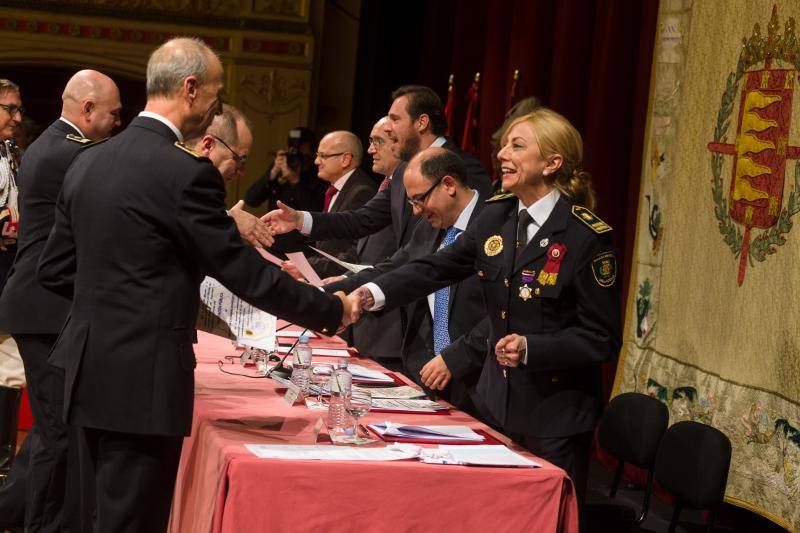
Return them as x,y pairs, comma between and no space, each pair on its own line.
555,135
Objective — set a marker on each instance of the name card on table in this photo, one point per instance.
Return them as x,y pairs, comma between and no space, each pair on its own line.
292,394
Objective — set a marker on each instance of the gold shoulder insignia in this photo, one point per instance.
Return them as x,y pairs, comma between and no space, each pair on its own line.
500,196
78,138
196,155
590,219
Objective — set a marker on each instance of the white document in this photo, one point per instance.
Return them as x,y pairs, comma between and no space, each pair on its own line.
477,455
302,264
227,315
402,392
294,334
352,267
327,453
416,406
269,257
407,431
322,352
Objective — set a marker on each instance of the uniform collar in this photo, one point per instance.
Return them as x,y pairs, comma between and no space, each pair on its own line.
165,121
73,126
540,209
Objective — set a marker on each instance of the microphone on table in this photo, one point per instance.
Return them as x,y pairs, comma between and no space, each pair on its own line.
280,370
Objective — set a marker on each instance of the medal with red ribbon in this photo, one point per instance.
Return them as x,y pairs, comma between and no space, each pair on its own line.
549,273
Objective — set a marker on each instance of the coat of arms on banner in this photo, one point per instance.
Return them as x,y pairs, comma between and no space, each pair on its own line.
754,219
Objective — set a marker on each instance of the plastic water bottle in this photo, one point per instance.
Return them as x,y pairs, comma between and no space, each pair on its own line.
301,365
340,386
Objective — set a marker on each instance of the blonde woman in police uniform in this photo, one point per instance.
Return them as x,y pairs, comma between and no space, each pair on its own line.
549,273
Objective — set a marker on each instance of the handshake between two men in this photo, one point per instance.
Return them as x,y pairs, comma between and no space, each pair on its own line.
510,350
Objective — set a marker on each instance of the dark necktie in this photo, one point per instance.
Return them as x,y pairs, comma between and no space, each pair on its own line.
525,219
384,183
329,194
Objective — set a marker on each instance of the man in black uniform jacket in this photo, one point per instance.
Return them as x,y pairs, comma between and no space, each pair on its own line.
140,221
416,121
34,315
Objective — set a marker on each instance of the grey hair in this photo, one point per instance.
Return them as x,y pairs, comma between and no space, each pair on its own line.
8,86
225,124
174,61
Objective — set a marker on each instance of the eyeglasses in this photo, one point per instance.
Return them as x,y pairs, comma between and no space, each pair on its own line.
419,200
239,159
376,142
11,109
323,155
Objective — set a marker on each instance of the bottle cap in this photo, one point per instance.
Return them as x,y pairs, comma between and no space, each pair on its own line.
341,363
303,339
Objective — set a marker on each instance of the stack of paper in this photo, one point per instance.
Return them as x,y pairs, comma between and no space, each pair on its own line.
475,455
360,373
439,433
402,392
413,406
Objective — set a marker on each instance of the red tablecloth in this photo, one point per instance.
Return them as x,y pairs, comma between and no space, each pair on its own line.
222,487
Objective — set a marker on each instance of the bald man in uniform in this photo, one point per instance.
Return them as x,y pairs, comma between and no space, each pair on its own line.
33,314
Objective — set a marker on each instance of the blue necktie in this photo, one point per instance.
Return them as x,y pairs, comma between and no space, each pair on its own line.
441,334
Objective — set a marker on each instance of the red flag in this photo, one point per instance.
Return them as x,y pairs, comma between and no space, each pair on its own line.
513,94
448,108
471,125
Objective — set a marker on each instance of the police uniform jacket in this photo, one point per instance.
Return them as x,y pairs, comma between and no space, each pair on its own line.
570,316
139,223
25,306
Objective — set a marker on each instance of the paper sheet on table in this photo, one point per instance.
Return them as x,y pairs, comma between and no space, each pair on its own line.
419,406
359,372
225,314
299,260
269,257
399,393
327,453
322,352
295,333
483,455
352,267
409,431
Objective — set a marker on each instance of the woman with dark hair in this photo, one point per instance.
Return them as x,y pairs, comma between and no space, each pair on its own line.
548,267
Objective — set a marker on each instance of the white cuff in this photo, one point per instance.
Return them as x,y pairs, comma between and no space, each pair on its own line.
377,296
524,358
307,222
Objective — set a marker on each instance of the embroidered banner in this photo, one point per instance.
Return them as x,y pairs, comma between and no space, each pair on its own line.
713,322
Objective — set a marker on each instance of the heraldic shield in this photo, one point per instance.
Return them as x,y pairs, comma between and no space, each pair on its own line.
760,150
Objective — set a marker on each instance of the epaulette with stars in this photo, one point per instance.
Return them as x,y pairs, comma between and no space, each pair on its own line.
500,196
590,219
196,155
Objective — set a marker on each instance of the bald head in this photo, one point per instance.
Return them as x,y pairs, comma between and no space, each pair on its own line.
91,102
435,163
338,153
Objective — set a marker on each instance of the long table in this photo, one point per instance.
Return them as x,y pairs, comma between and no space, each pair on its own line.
222,487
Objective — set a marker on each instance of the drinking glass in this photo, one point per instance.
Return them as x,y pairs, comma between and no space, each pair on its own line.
357,405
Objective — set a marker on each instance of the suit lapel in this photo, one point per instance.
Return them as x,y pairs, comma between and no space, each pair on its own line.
344,195
555,223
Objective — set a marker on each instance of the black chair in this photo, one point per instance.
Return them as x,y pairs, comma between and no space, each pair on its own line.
692,464
630,430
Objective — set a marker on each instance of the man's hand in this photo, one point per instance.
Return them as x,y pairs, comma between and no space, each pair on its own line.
333,279
351,311
510,350
279,166
292,270
284,219
435,375
250,227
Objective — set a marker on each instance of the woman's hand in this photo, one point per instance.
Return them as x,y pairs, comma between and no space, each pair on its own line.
510,350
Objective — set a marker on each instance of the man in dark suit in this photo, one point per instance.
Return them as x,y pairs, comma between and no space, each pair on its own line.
338,158
34,315
140,221
436,185
416,121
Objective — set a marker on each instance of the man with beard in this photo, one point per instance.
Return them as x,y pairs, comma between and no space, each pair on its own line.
140,221
416,121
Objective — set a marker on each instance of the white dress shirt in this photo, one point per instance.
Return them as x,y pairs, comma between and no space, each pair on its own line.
338,185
